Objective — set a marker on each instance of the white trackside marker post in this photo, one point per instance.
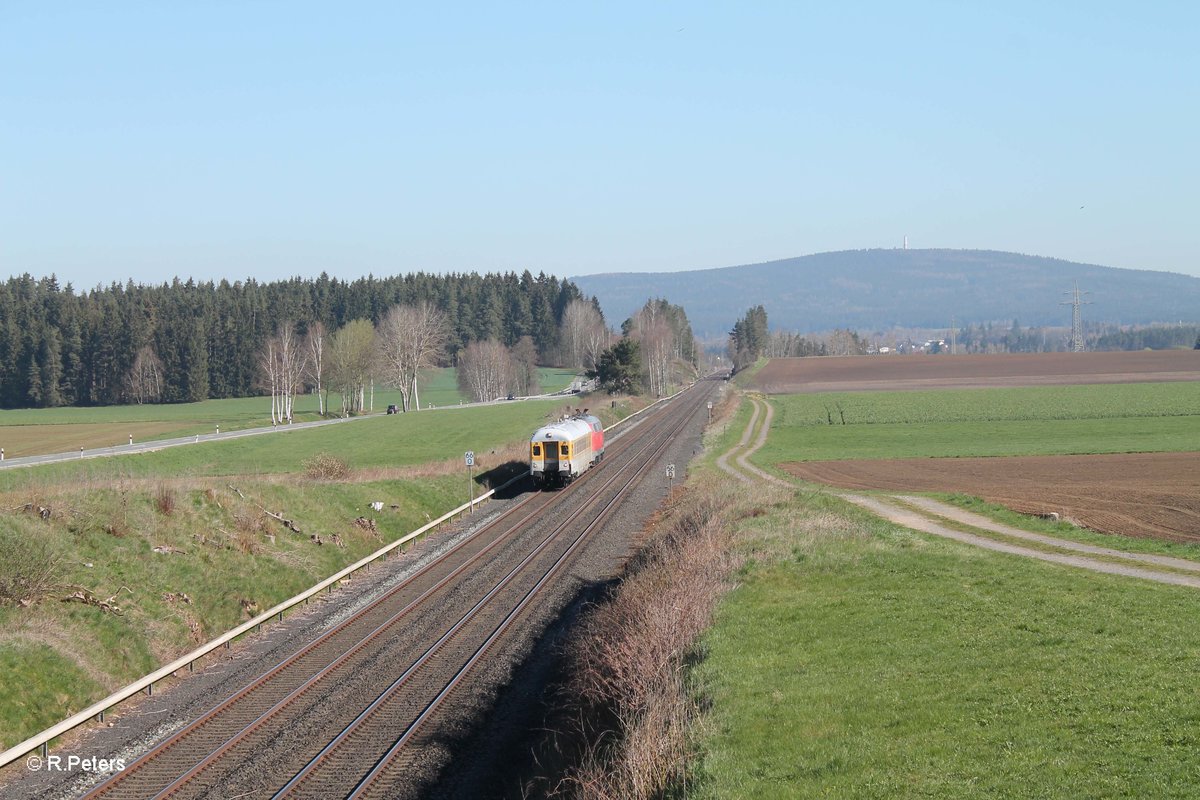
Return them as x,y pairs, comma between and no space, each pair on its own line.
470,459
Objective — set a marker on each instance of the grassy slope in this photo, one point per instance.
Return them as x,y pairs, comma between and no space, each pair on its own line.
48,430
985,422
230,553
857,659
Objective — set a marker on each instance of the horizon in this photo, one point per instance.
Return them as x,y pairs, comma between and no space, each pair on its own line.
281,140
350,279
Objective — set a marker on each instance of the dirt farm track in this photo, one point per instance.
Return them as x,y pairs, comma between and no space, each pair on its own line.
1136,494
895,372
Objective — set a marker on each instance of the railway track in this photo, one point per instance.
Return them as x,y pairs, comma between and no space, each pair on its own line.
345,715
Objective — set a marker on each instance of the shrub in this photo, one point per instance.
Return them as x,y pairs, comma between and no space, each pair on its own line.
29,570
164,500
326,466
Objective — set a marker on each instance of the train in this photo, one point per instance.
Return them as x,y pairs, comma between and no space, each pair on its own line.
562,451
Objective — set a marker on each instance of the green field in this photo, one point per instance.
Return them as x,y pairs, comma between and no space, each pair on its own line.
48,430
857,659
1052,420
379,441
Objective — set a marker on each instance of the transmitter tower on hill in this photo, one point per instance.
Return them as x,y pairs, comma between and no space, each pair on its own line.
1076,316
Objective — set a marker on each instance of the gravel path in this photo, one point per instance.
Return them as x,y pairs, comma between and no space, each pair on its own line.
918,521
723,459
978,521
923,517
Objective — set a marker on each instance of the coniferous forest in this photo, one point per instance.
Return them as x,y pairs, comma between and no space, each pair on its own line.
59,347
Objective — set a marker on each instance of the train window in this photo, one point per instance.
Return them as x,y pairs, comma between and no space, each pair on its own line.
537,450
565,449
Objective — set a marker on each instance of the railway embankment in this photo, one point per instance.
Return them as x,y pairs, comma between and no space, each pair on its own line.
619,713
116,566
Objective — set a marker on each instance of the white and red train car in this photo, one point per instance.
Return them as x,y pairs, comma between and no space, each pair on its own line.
562,451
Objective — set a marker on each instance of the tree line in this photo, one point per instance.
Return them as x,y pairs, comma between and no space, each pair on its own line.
750,339
188,341
655,352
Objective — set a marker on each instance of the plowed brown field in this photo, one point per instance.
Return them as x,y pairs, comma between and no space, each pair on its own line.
894,372
1138,494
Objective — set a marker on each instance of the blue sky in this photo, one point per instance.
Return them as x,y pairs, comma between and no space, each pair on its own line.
270,139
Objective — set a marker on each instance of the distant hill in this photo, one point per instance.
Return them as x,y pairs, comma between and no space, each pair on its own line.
881,289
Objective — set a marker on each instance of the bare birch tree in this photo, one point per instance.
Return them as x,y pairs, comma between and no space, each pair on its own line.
268,367
657,350
411,339
485,370
525,375
315,350
351,351
282,364
291,368
577,319
145,380
652,330
597,339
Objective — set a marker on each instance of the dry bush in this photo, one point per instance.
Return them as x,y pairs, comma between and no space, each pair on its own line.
164,500
326,467
628,663
29,570
249,521
119,524
246,542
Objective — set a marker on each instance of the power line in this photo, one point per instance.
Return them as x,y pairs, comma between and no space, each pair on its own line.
1076,316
